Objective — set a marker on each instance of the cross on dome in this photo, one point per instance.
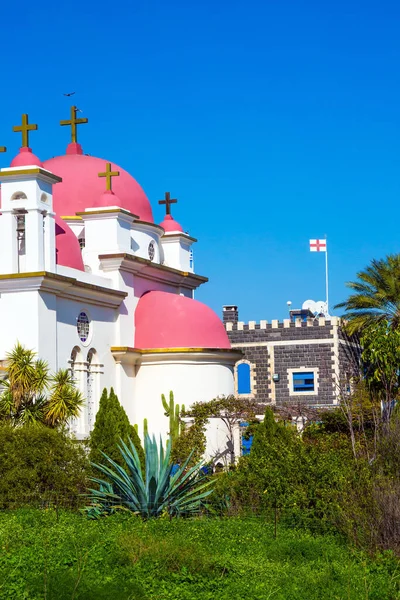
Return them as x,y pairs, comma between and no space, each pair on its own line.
25,128
74,122
109,175
168,201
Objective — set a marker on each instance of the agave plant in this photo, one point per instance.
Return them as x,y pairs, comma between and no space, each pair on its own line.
159,491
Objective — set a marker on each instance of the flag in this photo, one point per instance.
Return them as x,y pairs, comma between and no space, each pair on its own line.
318,245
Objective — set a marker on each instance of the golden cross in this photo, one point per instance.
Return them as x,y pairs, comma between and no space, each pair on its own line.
109,174
25,128
74,122
3,149
168,201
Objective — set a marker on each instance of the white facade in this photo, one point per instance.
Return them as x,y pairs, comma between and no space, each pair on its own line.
84,320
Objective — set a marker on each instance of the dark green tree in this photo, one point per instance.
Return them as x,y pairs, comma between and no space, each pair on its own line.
111,425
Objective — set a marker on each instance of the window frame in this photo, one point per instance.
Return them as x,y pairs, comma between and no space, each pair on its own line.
298,370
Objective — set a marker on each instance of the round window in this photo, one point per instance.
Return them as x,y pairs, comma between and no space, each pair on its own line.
83,326
152,251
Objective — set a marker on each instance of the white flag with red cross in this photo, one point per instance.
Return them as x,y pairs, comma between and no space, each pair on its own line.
318,245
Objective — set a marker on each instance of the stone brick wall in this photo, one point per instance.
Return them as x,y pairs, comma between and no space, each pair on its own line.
277,347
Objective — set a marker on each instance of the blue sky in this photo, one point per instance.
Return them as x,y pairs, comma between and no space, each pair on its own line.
272,122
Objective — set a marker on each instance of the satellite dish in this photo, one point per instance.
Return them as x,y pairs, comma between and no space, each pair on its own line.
320,308
309,305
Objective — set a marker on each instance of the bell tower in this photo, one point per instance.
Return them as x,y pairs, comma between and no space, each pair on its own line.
27,225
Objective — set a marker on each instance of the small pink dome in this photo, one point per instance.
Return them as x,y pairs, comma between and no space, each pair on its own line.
165,320
68,251
107,198
169,224
81,187
25,158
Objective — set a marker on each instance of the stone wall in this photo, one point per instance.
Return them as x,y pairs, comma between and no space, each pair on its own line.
276,348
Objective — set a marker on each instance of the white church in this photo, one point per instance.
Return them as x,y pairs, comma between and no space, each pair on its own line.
91,283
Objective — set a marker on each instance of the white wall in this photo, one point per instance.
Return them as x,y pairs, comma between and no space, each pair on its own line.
192,379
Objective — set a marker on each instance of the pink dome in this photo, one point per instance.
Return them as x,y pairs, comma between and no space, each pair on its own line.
165,320
81,187
169,224
25,158
68,252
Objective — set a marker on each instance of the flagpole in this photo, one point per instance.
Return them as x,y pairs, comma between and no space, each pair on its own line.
326,277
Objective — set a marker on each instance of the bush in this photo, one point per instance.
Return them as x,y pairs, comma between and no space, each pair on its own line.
39,465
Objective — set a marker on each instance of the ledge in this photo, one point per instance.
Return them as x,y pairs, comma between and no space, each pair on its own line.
63,286
150,270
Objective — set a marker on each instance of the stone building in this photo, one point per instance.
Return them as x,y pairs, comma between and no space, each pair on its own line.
304,359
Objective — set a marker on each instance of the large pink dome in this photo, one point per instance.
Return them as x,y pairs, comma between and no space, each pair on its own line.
165,320
68,251
81,187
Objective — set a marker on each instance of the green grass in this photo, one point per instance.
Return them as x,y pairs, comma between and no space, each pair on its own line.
122,557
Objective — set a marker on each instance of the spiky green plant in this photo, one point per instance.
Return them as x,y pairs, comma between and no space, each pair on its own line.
157,492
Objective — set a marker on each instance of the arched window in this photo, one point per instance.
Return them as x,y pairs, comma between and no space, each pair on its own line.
74,362
243,378
92,387
19,196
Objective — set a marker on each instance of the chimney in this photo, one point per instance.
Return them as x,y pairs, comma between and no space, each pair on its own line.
230,314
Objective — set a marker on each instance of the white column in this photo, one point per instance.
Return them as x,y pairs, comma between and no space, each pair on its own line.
8,243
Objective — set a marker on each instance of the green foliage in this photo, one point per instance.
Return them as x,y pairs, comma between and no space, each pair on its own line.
381,358
31,395
125,558
111,426
159,491
39,465
303,475
173,411
232,410
376,296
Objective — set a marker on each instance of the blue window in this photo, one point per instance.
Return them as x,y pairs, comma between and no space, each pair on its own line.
243,377
303,382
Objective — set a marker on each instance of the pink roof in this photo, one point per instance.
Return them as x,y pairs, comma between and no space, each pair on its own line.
81,187
165,320
169,224
25,158
68,252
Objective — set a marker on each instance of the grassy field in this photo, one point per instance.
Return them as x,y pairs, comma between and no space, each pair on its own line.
121,558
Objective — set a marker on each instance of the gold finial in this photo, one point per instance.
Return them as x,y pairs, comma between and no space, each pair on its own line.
74,122
25,128
3,149
168,201
109,174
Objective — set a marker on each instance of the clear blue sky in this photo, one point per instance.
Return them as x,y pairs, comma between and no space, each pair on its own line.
272,122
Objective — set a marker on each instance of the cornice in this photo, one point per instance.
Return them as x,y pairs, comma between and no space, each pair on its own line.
43,174
150,270
132,355
62,286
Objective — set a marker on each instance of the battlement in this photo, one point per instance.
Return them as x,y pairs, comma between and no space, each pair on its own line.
285,324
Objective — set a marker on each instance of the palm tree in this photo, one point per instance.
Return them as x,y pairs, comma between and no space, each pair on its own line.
31,395
375,297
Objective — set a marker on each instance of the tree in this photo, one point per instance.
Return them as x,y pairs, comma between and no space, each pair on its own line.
381,359
32,395
376,296
231,410
111,426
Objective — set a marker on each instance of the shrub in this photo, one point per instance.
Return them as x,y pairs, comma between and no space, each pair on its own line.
39,464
